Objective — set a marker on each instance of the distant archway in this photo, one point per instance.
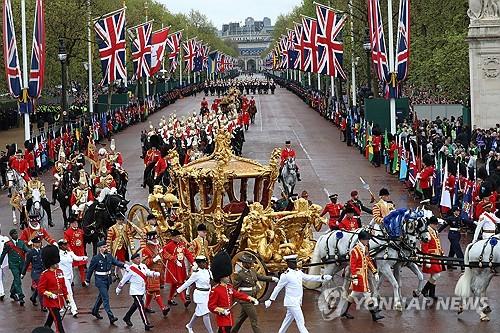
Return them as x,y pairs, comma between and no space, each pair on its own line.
251,65
241,63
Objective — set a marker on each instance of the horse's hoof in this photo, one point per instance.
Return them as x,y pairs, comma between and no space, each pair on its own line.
460,310
484,317
416,293
487,309
398,307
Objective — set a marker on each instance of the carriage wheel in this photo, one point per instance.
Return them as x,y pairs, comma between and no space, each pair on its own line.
259,266
138,215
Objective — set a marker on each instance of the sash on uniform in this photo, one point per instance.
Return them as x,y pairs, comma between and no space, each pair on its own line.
138,272
14,247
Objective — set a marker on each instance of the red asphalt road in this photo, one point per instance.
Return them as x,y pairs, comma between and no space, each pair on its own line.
327,166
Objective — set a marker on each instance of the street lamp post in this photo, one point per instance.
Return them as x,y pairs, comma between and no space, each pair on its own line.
63,57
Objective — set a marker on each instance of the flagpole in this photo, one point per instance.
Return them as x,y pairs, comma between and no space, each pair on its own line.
391,65
125,56
91,88
353,65
180,63
332,85
309,78
147,74
319,82
27,134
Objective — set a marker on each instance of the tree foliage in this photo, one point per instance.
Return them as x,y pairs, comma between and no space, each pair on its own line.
67,20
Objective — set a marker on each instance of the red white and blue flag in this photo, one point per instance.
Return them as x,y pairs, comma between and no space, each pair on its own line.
377,41
158,45
37,71
189,54
205,55
141,49
221,62
298,46
403,41
310,30
10,53
330,50
174,43
110,32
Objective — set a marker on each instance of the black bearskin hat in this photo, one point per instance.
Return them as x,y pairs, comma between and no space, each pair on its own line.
221,266
428,160
154,141
50,255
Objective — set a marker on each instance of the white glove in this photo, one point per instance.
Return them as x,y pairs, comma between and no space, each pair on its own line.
89,203
55,244
84,258
327,277
255,301
178,263
268,303
126,266
428,265
275,279
355,281
226,312
118,290
157,258
195,266
376,276
156,274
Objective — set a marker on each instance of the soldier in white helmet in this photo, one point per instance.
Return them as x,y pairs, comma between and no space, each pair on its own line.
82,196
59,167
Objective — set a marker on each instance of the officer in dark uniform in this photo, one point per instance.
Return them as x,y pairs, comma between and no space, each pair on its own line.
456,223
102,264
34,258
246,281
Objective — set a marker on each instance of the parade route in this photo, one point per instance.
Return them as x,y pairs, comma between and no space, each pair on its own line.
327,166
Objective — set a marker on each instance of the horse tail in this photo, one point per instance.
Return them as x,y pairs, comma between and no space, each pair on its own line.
463,286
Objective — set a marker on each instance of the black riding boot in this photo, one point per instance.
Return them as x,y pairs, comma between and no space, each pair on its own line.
298,177
427,287
46,206
432,292
346,314
375,313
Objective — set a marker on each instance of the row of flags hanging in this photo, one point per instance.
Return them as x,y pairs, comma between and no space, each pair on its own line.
315,45
148,49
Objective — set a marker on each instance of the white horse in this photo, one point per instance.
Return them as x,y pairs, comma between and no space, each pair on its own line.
37,208
483,256
289,175
16,185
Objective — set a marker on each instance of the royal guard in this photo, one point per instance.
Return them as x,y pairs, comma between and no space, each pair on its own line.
19,163
35,230
114,158
199,246
36,184
246,119
432,267
333,209
161,166
383,207
60,166
204,103
425,176
53,287
349,222
175,253
104,179
152,257
360,264
220,299
120,239
74,236
82,196
286,153
29,156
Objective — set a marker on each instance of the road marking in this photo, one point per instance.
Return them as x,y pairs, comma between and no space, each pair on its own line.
326,192
259,111
301,145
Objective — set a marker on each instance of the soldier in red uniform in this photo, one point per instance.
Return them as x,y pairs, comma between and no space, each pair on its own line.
53,288
151,256
246,119
160,166
432,267
376,144
74,236
349,222
19,163
29,156
152,156
357,205
222,295
360,262
33,230
333,209
204,103
286,153
425,177
175,251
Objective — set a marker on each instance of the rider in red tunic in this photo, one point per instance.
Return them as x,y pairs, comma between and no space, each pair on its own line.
175,251
74,236
286,153
19,163
432,267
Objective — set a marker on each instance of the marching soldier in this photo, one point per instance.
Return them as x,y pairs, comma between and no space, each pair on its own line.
432,267
15,249
137,274
36,184
383,207
34,258
292,280
3,264
150,226
33,230
201,278
360,262
151,252
101,264
120,238
199,246
59,167
82,196
333,209
53,287
246,281
286,153
74,236
220,300
456,223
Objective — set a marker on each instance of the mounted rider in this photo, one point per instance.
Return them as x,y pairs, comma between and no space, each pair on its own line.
286,153
36,184
487,223
60,166
20,164
82,196
104,183
152,156
114,158
383,207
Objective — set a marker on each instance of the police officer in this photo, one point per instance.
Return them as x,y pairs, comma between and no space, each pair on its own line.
455,222
246,281
34,258
101,264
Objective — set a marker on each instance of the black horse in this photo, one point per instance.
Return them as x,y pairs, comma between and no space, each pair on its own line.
63,194
121,179
237,139
163,179
97,219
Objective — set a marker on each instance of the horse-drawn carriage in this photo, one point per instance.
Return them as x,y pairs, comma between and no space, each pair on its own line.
231,195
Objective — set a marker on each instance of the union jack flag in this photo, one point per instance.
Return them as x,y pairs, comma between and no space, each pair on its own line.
174,43
198,58
37,70
11,56
189,54
377,41
110,32
310,30
284,52
206,52
299,47
292,53
330,50
221,62
141,49
403,42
